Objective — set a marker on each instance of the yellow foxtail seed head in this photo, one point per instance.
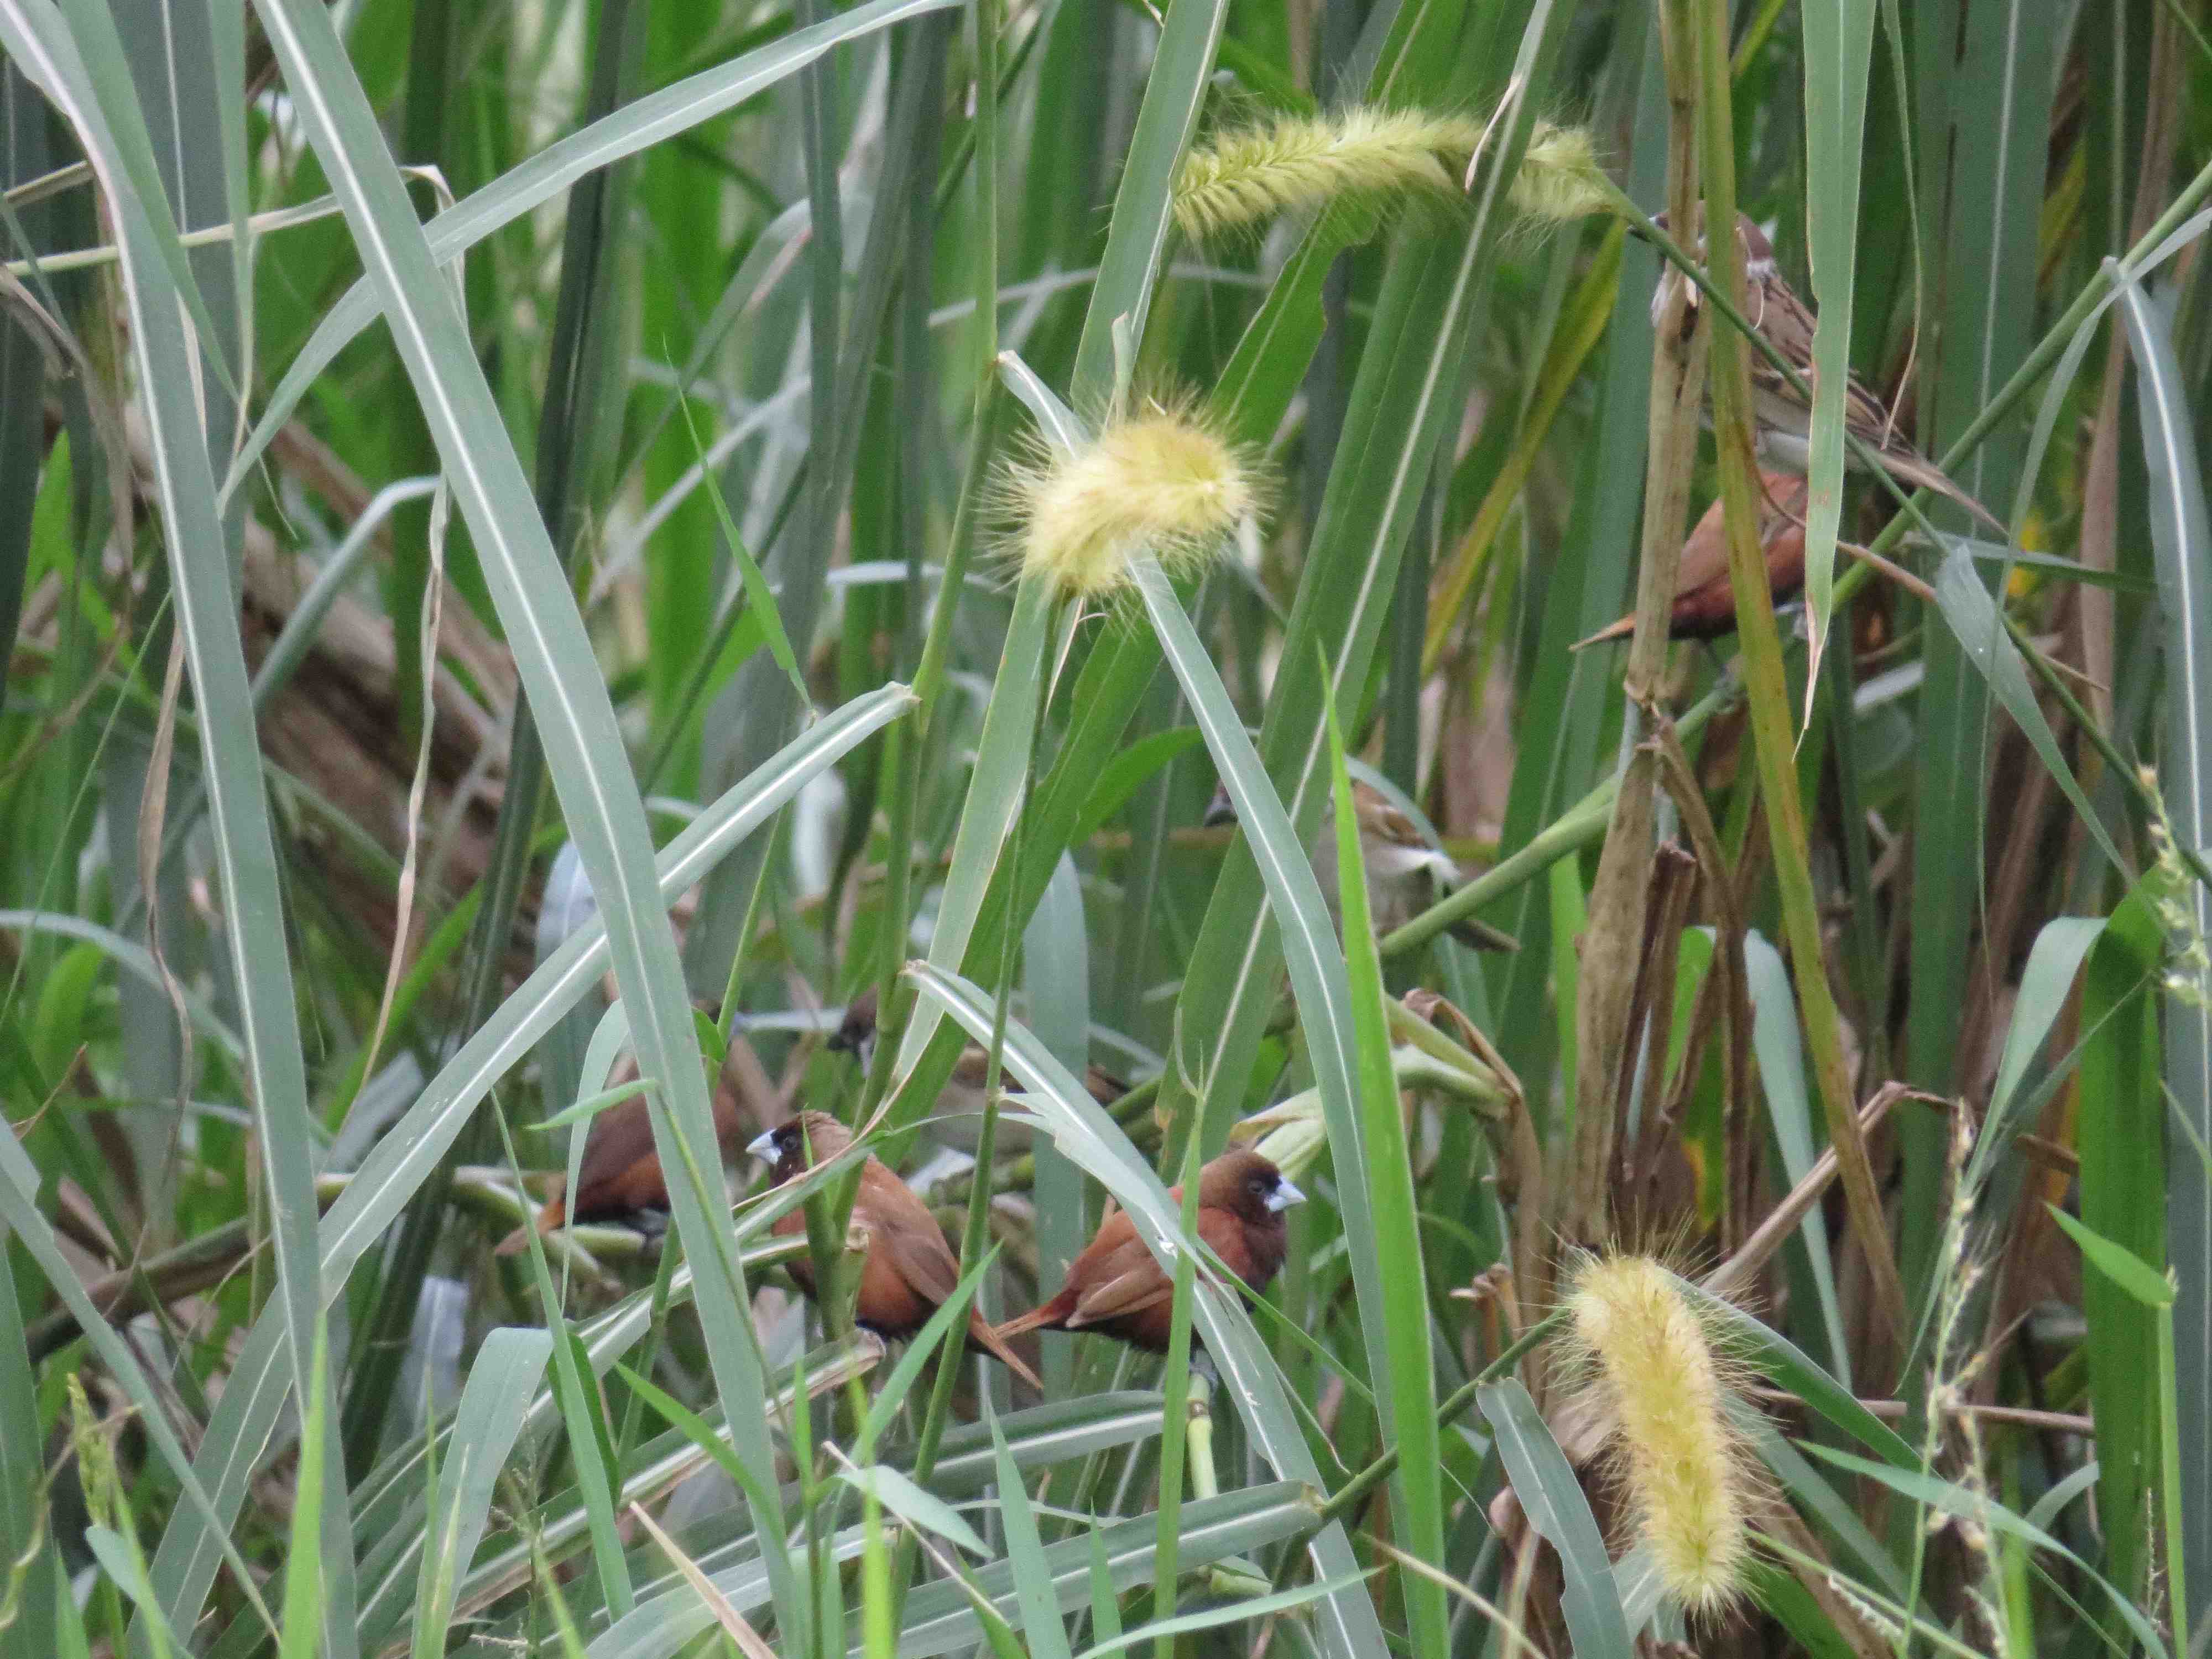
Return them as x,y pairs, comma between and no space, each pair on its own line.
1159,481
1376,155
1685,1471
1293,162
1560,179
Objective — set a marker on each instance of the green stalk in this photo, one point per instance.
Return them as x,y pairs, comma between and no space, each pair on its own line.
1760,640
1175,1410
2169,1456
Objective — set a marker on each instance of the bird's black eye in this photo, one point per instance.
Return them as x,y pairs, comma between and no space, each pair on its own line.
1257,1186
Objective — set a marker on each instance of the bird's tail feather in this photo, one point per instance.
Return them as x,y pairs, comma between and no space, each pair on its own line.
1045,1314
981,1334
548,1222
1618,630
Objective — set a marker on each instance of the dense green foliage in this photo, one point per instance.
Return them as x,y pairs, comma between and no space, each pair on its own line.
545,549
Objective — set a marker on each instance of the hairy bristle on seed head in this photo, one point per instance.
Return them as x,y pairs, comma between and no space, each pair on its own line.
1246,177
1684,1469
1158,481
1559,177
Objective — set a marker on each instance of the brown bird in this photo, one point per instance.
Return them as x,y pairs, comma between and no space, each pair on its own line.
1116,1288
1784,418
910,1271
620,1179
1704,604
1404,871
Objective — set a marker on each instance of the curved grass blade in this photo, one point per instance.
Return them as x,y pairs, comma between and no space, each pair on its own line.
1978,1509
1977,625
2181,543
491,1415
585,754
1137,235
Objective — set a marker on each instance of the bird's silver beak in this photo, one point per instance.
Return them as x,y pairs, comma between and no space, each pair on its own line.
1284,1195
762,1146
1220,810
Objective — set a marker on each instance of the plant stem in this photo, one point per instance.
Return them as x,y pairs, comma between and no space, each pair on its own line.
1604,1023
1760,640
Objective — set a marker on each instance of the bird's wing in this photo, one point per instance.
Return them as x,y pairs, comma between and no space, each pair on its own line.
619,1136
1130,1282
901,1225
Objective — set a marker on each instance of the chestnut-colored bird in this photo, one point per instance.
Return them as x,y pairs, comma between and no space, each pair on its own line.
621,1179
910,1271
1705,603
1116,1288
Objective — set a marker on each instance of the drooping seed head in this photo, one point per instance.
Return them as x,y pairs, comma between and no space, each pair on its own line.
1159,481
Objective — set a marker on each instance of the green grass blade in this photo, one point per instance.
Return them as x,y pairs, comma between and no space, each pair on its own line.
492,1408
1976,1508
1975,622
1417,1489
1838,56
206,612
2181,543
1137,235
583,744
1035,1591
301,1635
2126,1178
1776,1042
1056,982
1552,1498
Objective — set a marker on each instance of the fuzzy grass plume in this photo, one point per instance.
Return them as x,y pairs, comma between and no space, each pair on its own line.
1158,480
1684,1472
1375,156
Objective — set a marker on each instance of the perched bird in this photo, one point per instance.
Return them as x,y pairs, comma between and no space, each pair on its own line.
1115,1287
1704,604
621,1179
1404,871
960,1105
1784,417
910,1271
